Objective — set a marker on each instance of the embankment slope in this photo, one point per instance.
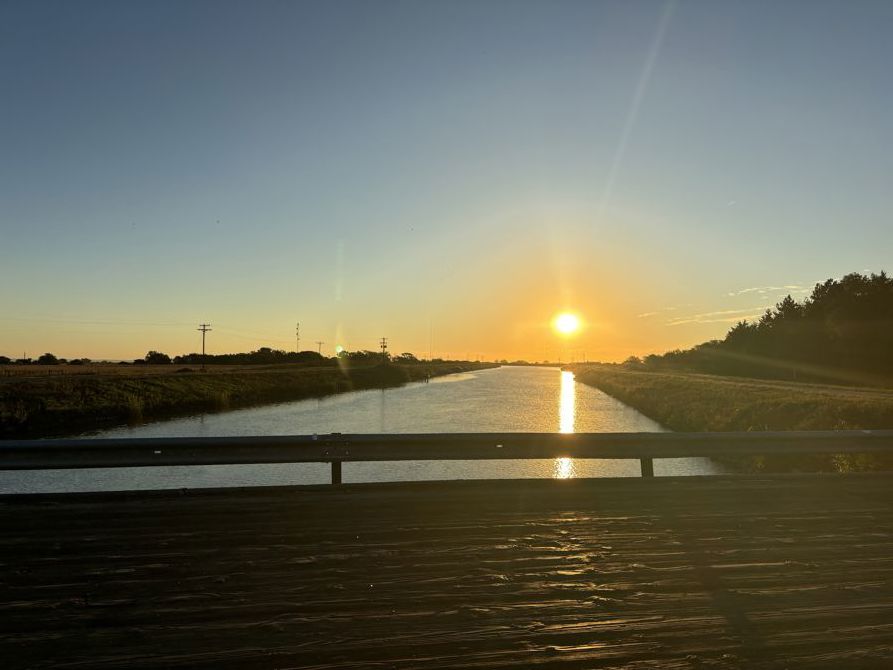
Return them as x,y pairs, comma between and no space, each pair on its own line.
59,405
695,402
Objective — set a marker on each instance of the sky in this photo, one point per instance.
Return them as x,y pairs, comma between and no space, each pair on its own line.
449,175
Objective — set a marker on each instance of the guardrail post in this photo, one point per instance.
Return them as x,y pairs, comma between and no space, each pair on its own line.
647,467
336,472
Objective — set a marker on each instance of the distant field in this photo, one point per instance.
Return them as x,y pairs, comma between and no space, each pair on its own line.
697,402
51,402
116,370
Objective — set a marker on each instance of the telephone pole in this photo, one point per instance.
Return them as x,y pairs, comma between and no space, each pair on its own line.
204,328
319,344
298,337
384,347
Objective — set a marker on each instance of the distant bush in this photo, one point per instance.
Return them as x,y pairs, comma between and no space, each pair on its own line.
263,356
157,358
377,376
48,359
364,357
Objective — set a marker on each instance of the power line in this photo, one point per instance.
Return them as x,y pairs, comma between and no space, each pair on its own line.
384,347
298,337
253,338
319,344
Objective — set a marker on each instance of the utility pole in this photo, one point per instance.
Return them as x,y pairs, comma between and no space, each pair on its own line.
319,344
204,328
384,347
298,337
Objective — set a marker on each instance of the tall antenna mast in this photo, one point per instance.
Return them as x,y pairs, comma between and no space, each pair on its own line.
298,337
384,347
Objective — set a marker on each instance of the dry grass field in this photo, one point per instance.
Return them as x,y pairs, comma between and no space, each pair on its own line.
697,402
117,370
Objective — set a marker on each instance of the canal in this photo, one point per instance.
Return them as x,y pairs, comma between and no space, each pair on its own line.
506,399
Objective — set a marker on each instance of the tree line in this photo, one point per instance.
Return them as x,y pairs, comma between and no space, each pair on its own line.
262,356
268,356
44,359
842,332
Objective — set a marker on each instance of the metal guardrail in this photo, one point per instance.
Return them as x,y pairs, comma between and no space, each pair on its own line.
337,448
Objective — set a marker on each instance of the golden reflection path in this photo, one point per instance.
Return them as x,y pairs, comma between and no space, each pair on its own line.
564,467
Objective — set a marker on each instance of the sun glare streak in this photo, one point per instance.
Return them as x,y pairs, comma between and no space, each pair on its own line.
633,113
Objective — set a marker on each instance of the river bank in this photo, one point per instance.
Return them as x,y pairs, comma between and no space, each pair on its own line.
696,402
48,406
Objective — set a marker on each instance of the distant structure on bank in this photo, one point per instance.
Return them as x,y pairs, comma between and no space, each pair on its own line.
205,328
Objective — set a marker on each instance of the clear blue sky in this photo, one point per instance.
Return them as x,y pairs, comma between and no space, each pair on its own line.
448,174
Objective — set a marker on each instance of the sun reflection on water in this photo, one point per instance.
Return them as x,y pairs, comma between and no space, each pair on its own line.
566,403
564,467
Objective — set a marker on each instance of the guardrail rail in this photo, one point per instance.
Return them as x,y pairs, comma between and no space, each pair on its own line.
337,448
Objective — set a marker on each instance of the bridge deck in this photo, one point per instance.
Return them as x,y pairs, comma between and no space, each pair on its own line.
668,573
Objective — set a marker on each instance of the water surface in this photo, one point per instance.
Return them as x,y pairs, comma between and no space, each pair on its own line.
508,399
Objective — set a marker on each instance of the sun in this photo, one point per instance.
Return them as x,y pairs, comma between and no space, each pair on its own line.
566,323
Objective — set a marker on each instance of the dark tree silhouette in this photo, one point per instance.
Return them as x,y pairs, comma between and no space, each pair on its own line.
842,332
263,356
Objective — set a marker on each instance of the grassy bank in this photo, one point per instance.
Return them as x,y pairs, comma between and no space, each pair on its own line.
47,405
694,402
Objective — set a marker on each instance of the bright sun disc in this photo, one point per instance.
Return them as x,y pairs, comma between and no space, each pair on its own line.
566,323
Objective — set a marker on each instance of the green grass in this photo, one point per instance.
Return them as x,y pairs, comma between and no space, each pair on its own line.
696,402
59,405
